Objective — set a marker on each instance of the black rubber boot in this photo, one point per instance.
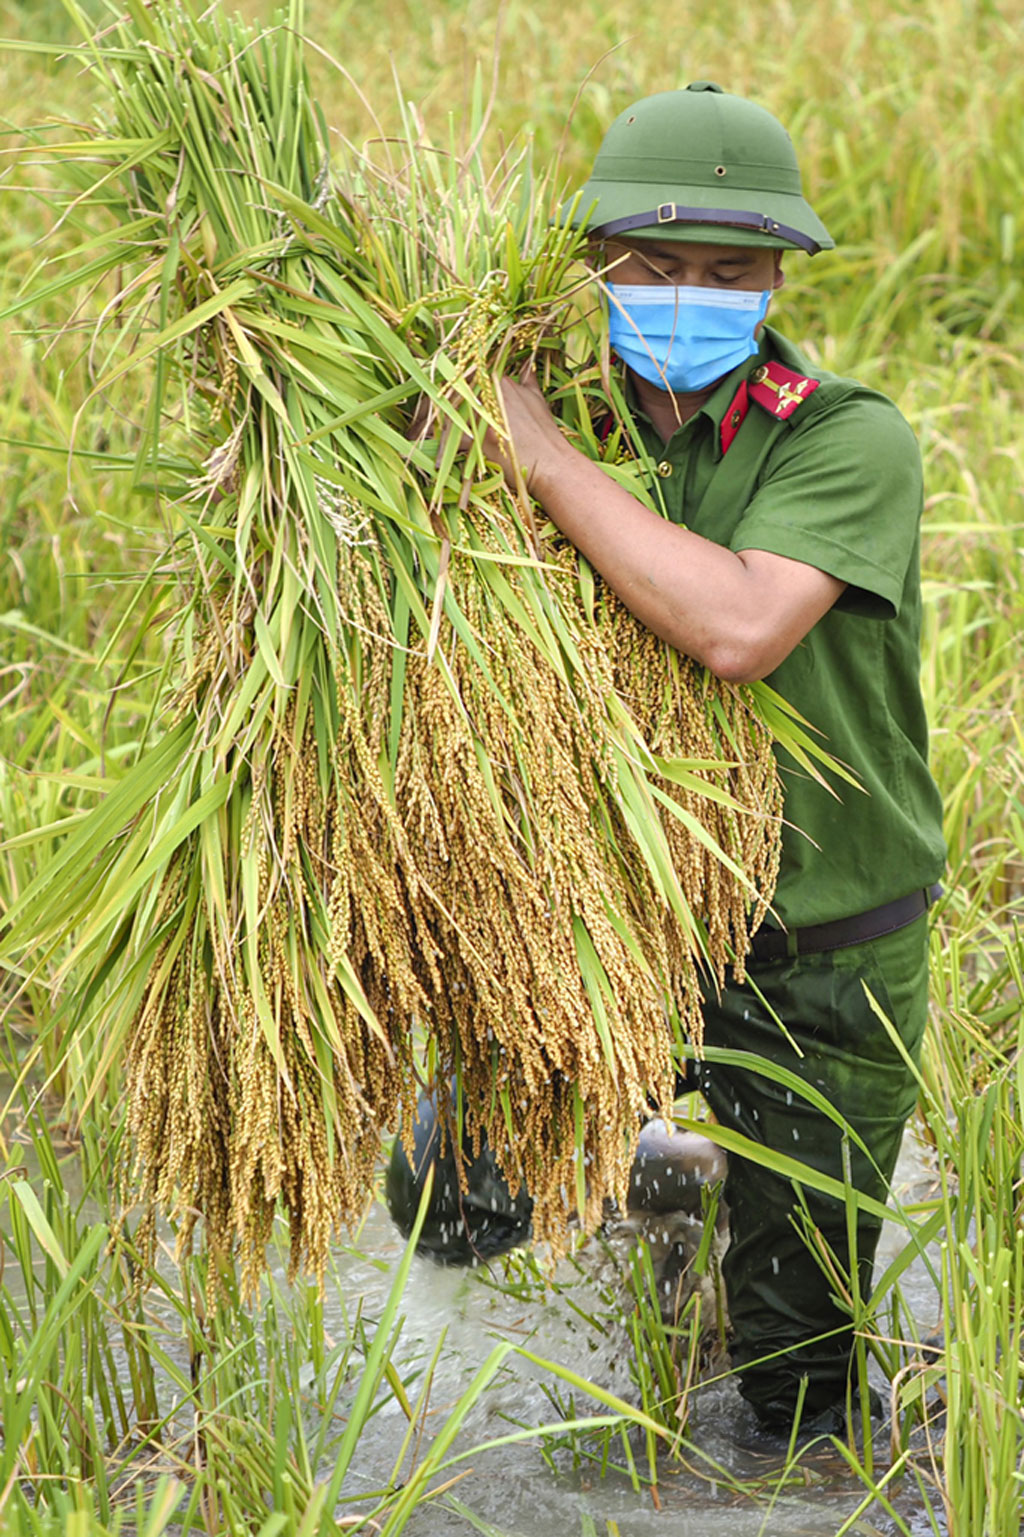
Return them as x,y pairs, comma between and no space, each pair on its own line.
462,1227
674,1174
671,1168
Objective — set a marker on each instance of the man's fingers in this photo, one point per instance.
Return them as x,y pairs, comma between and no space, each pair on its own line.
447,428
427,421
421,421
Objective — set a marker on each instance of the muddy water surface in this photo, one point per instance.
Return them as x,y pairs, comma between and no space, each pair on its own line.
580,1322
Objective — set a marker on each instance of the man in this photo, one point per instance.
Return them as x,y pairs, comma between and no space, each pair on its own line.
789,551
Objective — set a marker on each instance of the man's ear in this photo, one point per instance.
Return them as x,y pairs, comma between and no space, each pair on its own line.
779,278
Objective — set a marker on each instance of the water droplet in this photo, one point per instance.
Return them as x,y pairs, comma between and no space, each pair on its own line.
775,1263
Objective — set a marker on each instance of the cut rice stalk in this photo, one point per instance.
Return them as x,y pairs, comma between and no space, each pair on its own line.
424,783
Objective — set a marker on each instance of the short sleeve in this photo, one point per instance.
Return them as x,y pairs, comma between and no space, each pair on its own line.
842,491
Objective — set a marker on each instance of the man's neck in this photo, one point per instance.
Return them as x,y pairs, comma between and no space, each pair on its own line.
667,411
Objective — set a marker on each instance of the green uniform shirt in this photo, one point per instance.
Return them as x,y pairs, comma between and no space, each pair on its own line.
837,485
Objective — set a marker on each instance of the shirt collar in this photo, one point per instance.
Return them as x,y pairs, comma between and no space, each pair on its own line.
714,408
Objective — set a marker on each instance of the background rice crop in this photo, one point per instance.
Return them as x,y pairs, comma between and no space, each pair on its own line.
907,121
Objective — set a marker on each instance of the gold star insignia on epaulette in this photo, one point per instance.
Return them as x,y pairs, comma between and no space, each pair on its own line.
789,394
778,390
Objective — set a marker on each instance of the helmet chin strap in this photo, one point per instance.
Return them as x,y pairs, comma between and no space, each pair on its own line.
675,213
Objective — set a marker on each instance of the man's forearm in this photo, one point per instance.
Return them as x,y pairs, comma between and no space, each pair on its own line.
719,607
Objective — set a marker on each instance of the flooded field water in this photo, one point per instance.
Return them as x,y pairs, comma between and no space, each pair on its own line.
579,1318
514,1490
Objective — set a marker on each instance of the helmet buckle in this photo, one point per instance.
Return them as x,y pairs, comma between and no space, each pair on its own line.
666,213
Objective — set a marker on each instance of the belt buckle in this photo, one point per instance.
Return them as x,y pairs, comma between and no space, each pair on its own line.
666,213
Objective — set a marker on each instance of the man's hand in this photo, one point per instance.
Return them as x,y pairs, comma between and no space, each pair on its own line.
533,437
535,443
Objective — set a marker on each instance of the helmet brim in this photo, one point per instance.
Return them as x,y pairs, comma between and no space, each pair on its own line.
603,203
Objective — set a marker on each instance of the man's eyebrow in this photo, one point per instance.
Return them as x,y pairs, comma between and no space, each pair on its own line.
671,253
646,251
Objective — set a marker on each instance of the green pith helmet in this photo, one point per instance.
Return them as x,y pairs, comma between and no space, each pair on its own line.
700,165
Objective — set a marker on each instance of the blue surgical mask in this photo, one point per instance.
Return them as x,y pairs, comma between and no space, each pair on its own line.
684,338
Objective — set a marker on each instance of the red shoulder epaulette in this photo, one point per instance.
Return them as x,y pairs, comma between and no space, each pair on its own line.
777,389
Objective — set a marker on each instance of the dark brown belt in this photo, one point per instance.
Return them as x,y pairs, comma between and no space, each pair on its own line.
778,944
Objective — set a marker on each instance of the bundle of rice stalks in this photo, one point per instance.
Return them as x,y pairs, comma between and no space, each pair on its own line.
421,791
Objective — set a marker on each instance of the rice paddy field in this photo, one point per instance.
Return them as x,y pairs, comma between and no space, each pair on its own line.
145,1391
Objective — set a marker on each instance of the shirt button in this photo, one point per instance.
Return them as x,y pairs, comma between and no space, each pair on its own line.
759,375
664,469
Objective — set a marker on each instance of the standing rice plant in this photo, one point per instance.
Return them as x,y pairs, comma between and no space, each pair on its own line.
78,1396
977,1377
414,773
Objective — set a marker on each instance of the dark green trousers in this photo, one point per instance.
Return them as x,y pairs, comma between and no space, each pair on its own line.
779,1298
